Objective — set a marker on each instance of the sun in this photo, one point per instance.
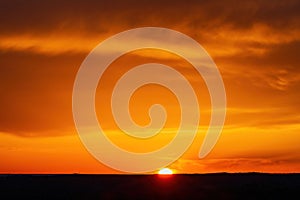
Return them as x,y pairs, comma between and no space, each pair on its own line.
165,171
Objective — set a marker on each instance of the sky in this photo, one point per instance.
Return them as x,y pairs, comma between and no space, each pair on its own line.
255,45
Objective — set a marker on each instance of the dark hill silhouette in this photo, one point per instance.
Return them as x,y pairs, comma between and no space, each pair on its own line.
192,186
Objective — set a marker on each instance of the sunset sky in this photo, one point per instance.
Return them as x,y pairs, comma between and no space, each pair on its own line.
255,45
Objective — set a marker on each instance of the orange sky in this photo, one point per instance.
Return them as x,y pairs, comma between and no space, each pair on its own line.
255,46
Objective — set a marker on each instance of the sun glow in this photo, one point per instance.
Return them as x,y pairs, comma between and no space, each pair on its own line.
165,171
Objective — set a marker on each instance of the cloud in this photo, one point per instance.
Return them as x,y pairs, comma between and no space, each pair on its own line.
258,164
34,16
48,45
42,44
97,17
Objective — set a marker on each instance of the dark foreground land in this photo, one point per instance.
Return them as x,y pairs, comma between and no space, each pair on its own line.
202,186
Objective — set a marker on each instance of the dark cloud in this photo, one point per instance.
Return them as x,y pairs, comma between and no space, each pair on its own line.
277,14
44,17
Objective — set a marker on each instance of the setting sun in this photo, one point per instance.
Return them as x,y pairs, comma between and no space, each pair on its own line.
165,171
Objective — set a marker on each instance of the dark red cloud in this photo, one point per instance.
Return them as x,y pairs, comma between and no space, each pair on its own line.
92,16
